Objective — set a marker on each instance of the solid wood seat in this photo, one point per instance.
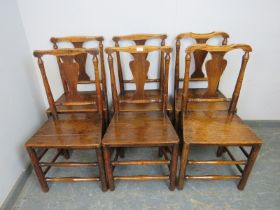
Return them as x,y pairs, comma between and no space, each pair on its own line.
132,129
70,131
140,117
217,128
83,78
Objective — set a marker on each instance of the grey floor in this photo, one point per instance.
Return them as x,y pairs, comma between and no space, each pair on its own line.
262,190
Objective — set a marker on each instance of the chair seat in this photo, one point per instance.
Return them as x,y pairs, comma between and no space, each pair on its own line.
149,94
217,128
140,129
200,106
86,97
69,131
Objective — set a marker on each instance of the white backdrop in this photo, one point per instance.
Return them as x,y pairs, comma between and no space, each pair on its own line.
251,21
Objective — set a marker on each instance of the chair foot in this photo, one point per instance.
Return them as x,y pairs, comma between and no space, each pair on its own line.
248,167
160,153
220,151
183,166
173,167
66,154
101,169
122,152
108,168
38,169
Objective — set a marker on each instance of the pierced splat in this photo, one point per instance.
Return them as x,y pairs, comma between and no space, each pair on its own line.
199,57
215,68
70,70
81,59
139,68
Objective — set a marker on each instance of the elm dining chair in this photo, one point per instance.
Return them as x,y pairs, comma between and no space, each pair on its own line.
64,131
140,128
223,128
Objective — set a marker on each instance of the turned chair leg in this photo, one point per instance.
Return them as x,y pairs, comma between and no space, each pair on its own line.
173,167
38,169
66,153
108,168
122,152
220,151
248,168
160,153
101,169
183,166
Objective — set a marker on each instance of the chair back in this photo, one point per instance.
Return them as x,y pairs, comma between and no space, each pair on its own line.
139,68
215,67
199,55
138,39
69,68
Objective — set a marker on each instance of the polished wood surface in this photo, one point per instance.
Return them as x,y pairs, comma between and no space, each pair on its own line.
141,129
203,127
210,127
69,131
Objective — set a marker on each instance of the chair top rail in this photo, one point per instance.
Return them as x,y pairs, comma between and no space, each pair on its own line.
202,36
74,39
134,37
223,48
139,49
65,52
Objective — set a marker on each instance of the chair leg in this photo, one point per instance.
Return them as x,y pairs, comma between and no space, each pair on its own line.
160,154
183,166
173,168
101,169
220,151
248,168
122,152
38,169
108,168
66,153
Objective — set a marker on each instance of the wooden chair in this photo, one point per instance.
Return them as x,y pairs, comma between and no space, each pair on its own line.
197,75
216,128
64,131
78,42
140,128
140,39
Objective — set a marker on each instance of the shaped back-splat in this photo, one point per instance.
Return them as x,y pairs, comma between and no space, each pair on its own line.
78,42
138,39
214,69
69,68
199,55
139,67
